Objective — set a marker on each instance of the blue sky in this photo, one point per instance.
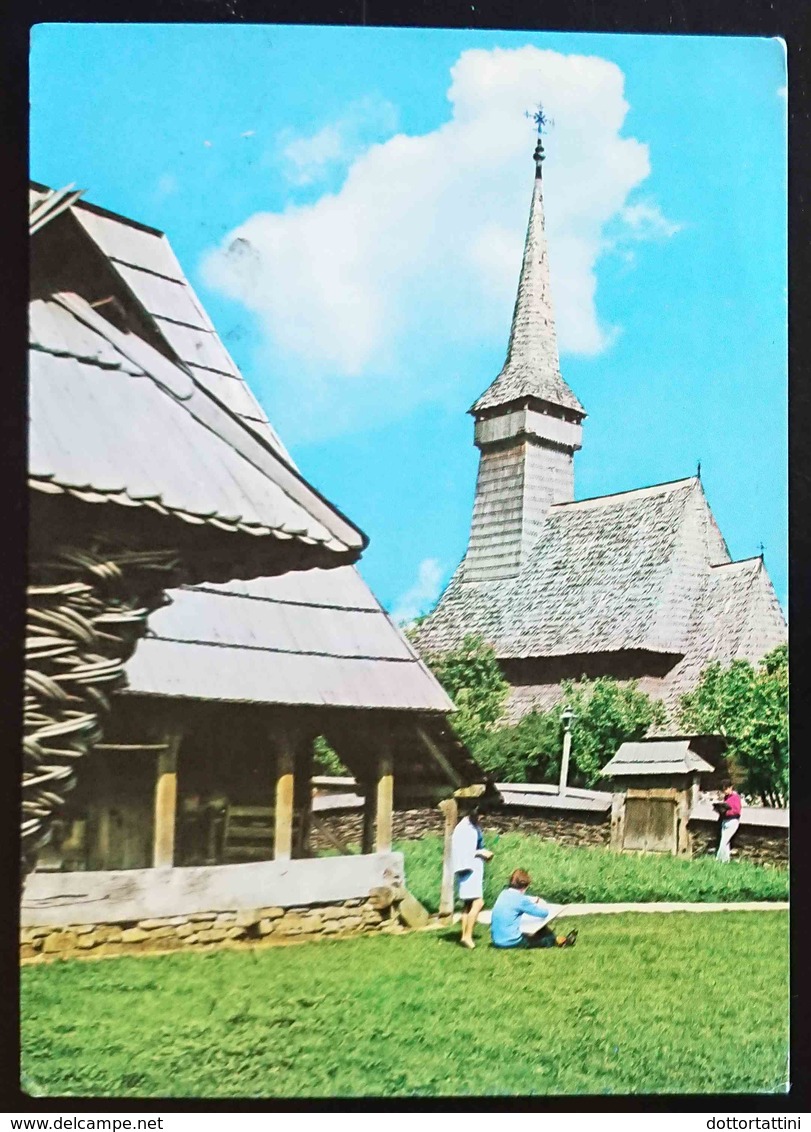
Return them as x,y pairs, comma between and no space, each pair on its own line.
379,180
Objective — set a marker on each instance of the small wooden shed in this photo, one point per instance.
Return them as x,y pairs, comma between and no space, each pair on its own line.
656,783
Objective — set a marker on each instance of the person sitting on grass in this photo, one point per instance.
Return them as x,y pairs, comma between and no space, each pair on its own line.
511,905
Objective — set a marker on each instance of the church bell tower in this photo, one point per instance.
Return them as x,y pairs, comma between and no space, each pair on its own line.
528,422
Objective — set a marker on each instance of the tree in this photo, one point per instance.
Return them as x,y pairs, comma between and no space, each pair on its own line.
607,713
327,761
471,676
749,706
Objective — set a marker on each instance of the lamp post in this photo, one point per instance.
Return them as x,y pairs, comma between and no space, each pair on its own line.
568,718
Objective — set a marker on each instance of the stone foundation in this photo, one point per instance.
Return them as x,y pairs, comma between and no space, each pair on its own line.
203,931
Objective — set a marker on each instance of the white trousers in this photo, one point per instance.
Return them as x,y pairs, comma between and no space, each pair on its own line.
728,830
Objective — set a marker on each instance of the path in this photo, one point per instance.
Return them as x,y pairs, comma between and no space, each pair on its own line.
657,906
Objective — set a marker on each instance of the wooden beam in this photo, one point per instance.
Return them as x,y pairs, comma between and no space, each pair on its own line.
438,757
163,836
384,815
450,809
285,789
131,746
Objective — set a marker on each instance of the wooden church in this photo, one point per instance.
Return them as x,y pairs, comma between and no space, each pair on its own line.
638,584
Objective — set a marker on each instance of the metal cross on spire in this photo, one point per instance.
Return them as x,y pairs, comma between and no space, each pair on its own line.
539,117
542,122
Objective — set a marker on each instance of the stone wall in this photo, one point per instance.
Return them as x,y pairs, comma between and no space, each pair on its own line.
758,844
762,845
203,931
347,826
579,827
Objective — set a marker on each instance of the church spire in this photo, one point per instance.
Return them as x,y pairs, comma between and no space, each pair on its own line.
532,368
528,423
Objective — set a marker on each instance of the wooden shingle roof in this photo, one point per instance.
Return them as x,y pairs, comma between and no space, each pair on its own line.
598,579
114,422
532,368
651,757
316,637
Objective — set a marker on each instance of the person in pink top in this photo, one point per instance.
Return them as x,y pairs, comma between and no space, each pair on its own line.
729,812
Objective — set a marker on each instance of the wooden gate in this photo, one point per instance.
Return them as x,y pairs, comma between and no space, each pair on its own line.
650,825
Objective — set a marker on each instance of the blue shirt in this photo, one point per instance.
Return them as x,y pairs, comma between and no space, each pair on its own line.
506,917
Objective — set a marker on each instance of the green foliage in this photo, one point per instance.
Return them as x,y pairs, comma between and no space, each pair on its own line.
471,676
633,1009
606,714
326,761
750,706
574,875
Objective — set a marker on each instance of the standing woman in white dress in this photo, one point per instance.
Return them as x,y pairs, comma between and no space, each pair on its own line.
468,855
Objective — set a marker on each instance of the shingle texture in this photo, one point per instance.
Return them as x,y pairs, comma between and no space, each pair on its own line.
644,570
532,368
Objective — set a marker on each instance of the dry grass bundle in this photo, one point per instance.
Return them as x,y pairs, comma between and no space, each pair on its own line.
87,608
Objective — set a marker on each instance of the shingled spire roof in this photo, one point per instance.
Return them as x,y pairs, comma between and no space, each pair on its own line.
532,368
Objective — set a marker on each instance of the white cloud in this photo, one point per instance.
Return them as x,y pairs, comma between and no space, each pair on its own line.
422,595
363,294
644,221
782,92
307,158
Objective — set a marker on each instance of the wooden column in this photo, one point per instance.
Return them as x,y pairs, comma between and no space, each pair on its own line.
378,807
284,801
617,818
163,837
303,796
450,809
384,815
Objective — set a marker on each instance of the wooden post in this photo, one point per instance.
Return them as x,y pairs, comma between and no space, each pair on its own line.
617,818
285,788
163,836
564,764
450,809
303,796
384,815
367,844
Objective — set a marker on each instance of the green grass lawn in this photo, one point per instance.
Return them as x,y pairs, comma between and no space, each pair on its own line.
577,875
633,1008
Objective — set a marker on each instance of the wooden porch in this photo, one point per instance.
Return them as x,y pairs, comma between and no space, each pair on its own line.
190,784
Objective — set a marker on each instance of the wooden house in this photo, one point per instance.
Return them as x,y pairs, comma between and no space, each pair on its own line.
638,584
261,634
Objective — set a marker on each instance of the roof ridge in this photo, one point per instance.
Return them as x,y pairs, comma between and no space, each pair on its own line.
101,211
737,562
655,488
